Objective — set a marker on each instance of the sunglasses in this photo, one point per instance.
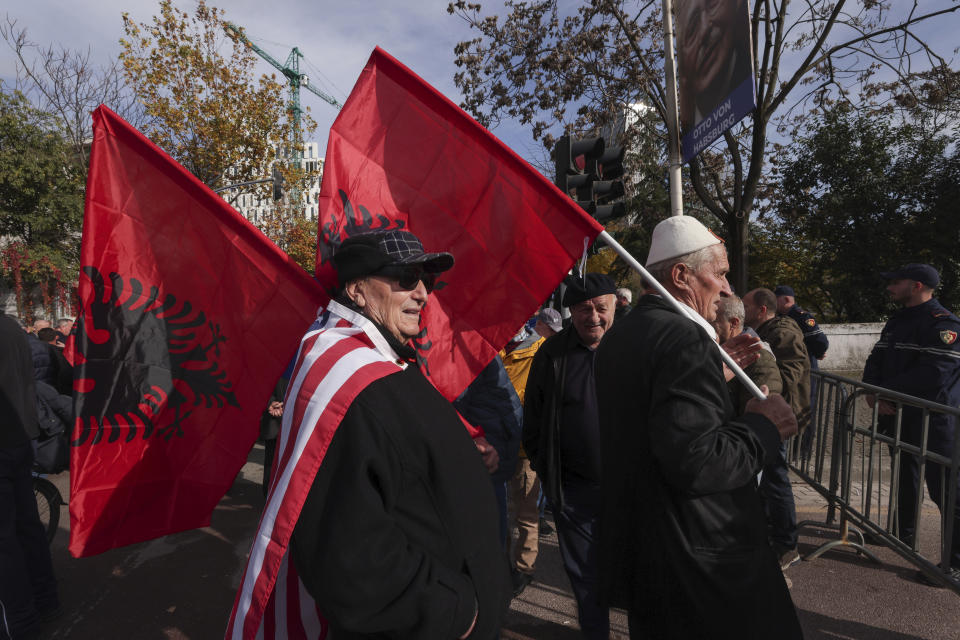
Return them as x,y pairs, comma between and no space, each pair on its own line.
409,277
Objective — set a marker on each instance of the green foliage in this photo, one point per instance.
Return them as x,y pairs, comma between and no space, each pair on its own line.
574,66
295,234
41,200
780,257
209,111
860,195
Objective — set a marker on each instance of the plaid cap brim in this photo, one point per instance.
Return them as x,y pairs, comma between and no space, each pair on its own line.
431,262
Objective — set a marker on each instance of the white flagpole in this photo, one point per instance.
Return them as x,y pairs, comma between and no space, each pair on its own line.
673,118
727,360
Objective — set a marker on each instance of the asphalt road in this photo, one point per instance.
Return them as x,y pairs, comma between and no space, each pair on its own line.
182,586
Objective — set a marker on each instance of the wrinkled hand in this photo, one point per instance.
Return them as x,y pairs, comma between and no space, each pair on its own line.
744,349
275,409
776,410
886,407
491,460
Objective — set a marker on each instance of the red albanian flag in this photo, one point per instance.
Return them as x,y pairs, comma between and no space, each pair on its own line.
401,155
188,317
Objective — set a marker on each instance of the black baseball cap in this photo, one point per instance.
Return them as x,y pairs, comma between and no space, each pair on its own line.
920,272
366,253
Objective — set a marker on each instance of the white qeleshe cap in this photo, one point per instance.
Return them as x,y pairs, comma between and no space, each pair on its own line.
678,236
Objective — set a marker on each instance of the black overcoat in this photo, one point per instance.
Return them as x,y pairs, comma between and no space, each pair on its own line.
399,535
683,534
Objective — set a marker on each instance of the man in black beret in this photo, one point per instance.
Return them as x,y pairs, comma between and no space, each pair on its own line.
561,436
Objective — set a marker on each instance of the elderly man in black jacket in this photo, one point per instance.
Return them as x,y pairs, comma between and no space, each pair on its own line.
561,436
398,536
683,535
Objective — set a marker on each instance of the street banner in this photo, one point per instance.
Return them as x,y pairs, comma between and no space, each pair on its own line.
402,155
715,70
188,315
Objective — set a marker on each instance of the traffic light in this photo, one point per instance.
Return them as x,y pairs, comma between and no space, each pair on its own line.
610,187
575,163
278,184
591,169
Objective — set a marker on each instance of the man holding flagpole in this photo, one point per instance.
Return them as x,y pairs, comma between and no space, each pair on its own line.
683,536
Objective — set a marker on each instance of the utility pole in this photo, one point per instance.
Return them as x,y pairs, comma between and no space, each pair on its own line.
673,117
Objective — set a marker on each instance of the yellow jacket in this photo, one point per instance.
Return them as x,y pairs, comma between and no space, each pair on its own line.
517,363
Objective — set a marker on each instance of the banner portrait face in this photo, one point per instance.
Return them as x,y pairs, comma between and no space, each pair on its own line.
715,69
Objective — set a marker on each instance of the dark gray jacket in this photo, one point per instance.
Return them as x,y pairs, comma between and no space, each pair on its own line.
399,534
543,412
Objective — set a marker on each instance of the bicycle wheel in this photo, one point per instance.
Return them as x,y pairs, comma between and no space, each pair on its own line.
48,505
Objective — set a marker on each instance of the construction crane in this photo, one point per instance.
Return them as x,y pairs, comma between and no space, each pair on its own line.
290,69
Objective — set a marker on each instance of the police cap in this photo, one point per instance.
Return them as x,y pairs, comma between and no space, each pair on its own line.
920,272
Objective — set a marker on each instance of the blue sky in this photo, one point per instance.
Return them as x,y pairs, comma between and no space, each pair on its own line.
335,37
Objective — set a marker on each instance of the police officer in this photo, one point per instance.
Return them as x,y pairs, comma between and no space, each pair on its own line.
813,336
919,354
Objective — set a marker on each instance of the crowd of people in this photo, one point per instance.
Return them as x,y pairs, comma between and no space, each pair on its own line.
411,516
628,430
666,479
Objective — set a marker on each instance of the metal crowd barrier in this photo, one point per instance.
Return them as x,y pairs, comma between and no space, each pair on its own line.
854,463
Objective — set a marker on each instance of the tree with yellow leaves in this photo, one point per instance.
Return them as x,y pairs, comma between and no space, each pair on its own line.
207,109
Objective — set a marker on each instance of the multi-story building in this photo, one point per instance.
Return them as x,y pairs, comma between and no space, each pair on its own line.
619,131
253,206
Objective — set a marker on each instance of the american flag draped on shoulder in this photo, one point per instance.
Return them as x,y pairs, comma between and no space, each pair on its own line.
341,354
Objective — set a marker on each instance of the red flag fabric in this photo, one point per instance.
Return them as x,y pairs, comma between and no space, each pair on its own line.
400,154
338,358
188,317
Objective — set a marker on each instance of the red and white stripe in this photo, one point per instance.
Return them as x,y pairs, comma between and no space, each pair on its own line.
335,363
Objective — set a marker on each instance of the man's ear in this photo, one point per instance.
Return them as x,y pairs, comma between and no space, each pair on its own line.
680,275
354,291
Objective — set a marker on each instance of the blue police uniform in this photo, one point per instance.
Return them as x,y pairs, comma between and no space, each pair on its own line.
919,354
813,336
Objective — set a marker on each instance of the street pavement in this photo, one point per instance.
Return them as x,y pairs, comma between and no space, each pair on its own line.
182,586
